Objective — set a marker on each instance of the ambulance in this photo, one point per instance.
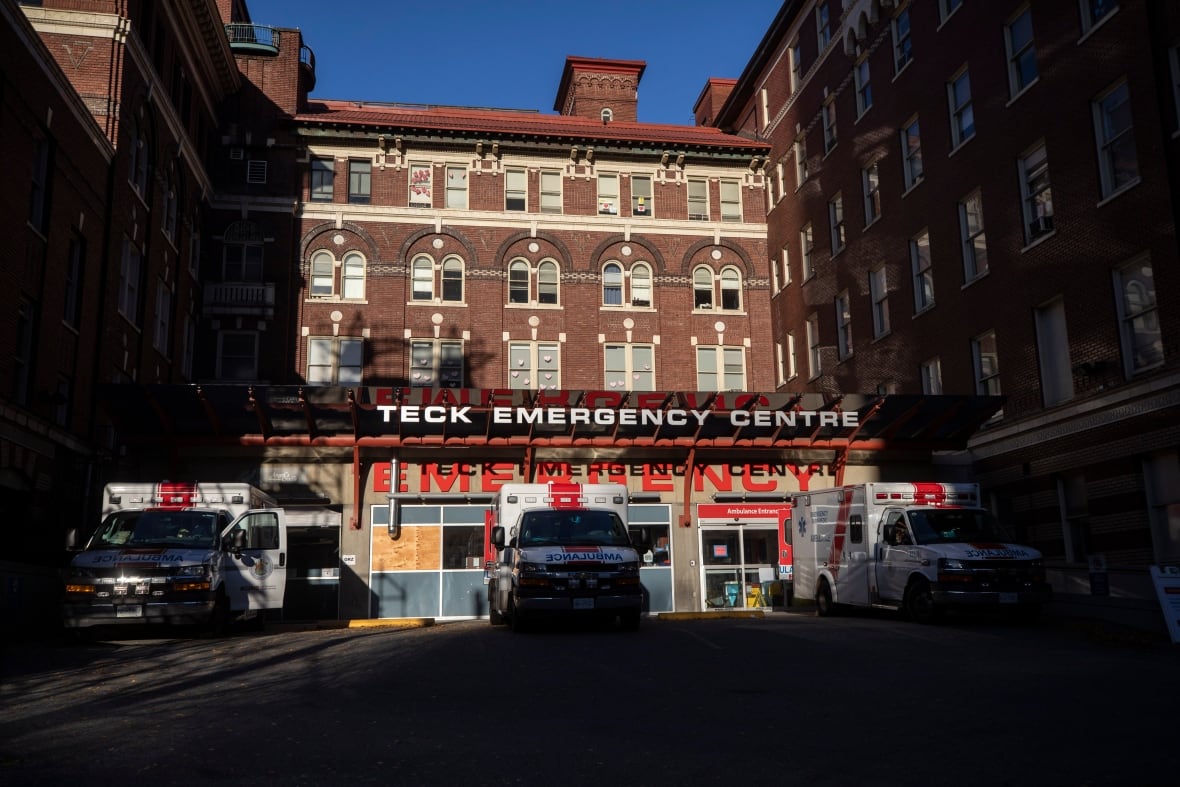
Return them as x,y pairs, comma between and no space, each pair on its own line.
562,549
179,553
922,548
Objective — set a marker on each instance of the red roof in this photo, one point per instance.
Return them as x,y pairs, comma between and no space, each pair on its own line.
461,120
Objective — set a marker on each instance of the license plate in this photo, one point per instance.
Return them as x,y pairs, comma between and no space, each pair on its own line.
120,590
129,611
583,603
141,590
1008,598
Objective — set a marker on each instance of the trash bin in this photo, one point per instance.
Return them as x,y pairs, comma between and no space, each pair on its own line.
733,592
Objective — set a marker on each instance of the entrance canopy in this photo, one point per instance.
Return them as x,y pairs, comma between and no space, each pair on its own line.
180,415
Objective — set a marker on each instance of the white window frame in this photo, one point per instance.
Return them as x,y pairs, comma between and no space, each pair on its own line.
1139,322
326,356
642,197
456,186
516,189
863,84
730,289
922,266
930,371
879,296
946,8
1115,144
1053,359
1019,51
823,26
843,309
836,227
321,186
792,356
322,275
636,370
828,115
1092,14
531,362
730,192
429,366
420,184
612,284
221,370
986,365
544,283
1036,193
795,53
972,236
718,363
870,181
699,200
814,354
551,199
807,251
801,170
911,153
162,336
903,44
704,296
608,194
353,274
130,275
640,281
961,108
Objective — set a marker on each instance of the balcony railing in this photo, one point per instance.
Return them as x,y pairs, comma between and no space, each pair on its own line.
242,298
307,60
261,39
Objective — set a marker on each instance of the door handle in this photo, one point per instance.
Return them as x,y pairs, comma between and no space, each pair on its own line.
282,559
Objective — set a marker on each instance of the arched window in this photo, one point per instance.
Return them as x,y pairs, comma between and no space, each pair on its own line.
702,287
322,275
452,280
607,115
641,285
547,282
353,276
422,279
518,282
612,284
141,151
731,289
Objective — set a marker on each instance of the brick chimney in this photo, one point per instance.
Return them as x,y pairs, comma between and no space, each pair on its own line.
711,99
606,90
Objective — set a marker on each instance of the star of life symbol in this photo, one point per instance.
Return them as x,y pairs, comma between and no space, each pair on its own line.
802,526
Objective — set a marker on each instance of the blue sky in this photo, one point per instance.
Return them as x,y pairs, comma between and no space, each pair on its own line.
510,54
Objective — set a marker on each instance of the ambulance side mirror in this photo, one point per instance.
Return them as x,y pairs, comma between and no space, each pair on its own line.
234,542
498,537
889,534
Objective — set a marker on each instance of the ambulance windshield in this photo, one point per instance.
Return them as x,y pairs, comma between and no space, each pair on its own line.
572,527
952,525
191,529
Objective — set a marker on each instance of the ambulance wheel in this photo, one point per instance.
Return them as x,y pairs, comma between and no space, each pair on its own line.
219,619
919,603
515,618
823,600
495,617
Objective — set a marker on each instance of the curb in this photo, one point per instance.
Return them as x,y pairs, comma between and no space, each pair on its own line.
334,625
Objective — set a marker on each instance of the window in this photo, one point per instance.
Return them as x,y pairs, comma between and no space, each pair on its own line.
987,364
864,90
801,170
843,326
452,280
612,284
972,237
920,263
130,271
813,348
698,199
879,294
237,355
641,285
242,262
523,280
323,275
779,183
948,7
641,202
836,223
911,152
162,337
785,260
352,276
75,266
22,355
256,170
1142,343
931,373
780,364
457,187
323,176
422,279
958,95
807,248
140,161
171,209
828,112
1116,141
823,26
39,186
436,363
607,115
903,51
515,189
608,195
442,283
1053,353
335,360
550,191
792,357
421,186
1037,196
731,289
1094,12
702,288
534,365
796,55
870,180
1022,55
721,369
630,367
731,200
360,174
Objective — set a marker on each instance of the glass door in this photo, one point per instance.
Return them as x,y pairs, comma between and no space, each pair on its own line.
735,560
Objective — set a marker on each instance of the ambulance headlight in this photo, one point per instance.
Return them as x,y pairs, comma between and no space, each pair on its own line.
534,568
952,564
192,571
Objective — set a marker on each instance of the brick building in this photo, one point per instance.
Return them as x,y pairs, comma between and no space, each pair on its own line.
972,197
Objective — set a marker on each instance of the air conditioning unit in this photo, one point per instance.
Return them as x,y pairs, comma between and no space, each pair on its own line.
1040,226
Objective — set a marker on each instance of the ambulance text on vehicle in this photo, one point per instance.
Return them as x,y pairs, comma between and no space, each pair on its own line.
921,547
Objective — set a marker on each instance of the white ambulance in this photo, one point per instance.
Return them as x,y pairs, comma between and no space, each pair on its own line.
562,549
920,547
182,553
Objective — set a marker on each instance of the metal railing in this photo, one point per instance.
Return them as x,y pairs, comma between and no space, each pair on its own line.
250,36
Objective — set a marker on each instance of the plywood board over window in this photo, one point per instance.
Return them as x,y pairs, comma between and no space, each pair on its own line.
417,548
